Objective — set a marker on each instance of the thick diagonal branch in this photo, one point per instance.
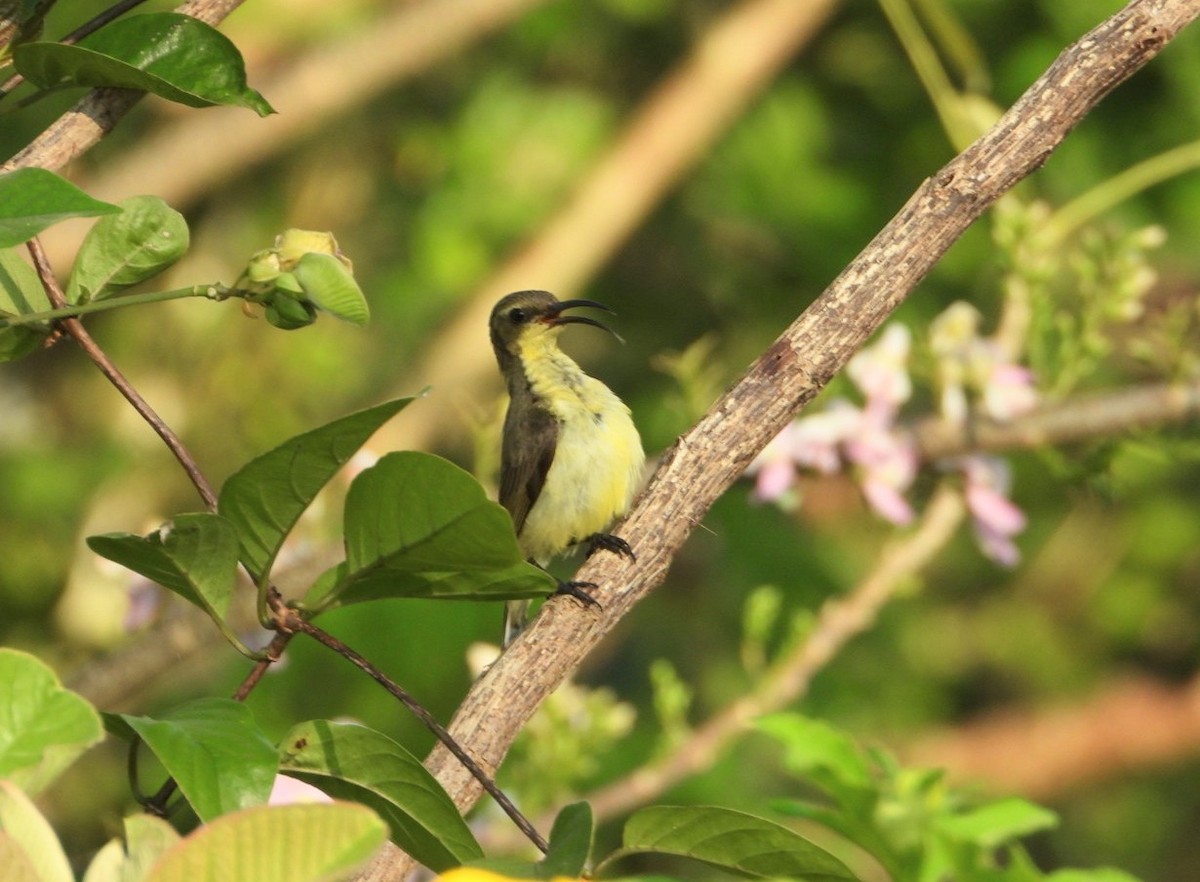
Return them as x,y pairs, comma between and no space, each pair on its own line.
706,460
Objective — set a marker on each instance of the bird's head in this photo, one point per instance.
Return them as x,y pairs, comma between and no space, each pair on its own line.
519,316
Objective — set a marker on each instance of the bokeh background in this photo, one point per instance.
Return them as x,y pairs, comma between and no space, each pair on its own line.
453,148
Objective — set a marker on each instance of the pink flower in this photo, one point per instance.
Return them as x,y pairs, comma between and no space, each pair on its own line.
288,791
1009,392
997,518
775,467
887,461
880,371
815,439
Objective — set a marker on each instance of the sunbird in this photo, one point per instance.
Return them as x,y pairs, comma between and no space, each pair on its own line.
571,457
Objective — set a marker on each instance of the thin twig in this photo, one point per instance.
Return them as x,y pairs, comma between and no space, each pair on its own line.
74,327
1092,415
293,621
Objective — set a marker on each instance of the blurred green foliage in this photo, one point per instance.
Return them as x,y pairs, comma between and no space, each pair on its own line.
431,184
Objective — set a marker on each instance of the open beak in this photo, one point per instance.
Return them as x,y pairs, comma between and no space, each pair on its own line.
555,317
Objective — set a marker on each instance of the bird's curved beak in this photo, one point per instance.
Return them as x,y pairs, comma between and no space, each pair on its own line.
555,317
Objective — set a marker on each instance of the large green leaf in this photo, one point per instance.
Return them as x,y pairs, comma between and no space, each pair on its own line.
733,841
287,843
172,55
353,762
43,727
266,497
32,199
195,555
21,293
419,526
213,749
143,240
29,842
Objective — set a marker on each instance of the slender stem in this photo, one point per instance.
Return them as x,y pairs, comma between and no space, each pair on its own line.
292,621
75,328
1117,189
213,292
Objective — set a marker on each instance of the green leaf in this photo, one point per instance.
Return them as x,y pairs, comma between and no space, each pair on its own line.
339,587
21,293
43,727
32,199
266,497
142,241
997,823
214,750
30,839
353,762
330,285
731,840
288,843
862,832
419,526
570,842
194,555
174,56
147,838
829,757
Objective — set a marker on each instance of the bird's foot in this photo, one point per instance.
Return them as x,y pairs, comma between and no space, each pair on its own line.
609,542
579,592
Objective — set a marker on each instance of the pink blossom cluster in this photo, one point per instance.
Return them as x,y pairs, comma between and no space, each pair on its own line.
973,372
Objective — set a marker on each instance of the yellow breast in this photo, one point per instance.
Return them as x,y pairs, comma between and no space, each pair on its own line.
598,460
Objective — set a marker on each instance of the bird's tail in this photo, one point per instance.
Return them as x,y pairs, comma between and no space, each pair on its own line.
516,617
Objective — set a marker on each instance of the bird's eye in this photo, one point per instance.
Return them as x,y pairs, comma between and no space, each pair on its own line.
517,316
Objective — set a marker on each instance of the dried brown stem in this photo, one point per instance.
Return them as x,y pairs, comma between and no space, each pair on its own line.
74,327
706,460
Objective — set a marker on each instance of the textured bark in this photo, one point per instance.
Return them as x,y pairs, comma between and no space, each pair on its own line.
706,460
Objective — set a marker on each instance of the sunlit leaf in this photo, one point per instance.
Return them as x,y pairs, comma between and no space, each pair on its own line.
30,839
43,727
287,843
353,762
128,859
175,56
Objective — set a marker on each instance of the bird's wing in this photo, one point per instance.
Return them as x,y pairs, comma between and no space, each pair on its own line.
524,463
